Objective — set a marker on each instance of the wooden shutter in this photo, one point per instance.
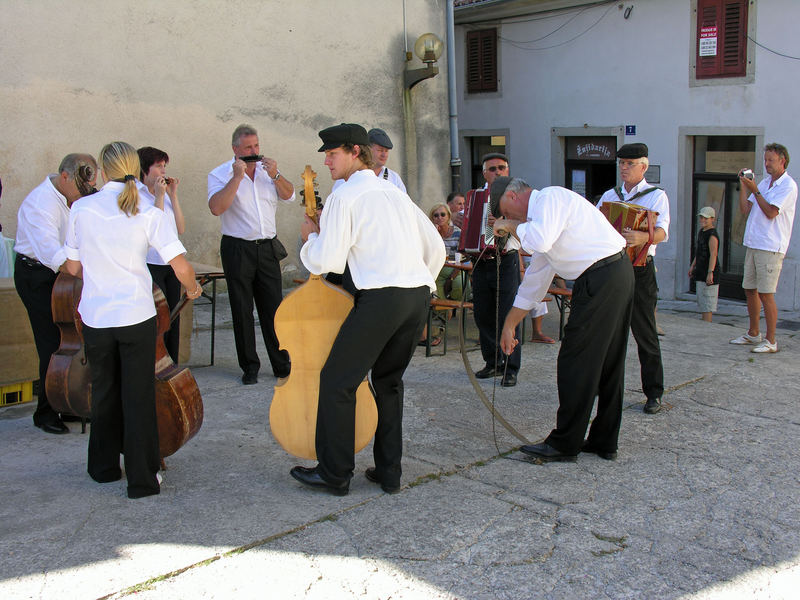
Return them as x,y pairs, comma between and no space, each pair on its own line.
729,17
482,61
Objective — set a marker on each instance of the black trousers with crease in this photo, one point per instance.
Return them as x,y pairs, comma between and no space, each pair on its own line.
122,363
591,361
380,333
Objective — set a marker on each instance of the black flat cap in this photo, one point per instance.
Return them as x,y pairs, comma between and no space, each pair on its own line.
496,192
492,155
379,136
339,135
632,151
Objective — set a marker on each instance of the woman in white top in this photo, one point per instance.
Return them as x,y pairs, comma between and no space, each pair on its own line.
108,236
161,191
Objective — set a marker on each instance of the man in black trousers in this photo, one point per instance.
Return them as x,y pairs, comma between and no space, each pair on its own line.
565,234
494,286
41,228
244,192
394,253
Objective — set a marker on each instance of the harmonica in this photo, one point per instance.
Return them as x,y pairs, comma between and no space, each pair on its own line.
167,180
252,158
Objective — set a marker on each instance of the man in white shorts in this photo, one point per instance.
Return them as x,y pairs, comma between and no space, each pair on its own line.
770,209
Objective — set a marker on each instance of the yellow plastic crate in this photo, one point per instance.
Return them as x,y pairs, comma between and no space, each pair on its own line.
16,393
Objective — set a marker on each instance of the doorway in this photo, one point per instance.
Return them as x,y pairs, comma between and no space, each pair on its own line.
590,165
479,146
717,161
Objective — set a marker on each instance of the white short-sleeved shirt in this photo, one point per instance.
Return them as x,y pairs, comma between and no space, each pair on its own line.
564,234
762,233
112,247
42,225
252,214
376,229
147,199
656,201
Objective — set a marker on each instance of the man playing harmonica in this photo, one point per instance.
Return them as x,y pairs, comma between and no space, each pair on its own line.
244,192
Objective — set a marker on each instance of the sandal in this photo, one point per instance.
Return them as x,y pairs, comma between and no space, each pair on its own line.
434,342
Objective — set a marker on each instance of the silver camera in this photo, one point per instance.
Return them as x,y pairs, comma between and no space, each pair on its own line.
746,173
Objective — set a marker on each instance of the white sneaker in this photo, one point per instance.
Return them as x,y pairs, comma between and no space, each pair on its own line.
747,339
765,346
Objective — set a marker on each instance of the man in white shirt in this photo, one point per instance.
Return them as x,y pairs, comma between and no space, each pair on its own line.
633,162
394,254
380,144
565,234
42,222
244,192
769,207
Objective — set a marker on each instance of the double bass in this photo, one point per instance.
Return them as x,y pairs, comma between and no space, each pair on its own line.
307,323
179,406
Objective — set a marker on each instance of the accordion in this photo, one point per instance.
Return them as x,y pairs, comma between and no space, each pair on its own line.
624,215
477,235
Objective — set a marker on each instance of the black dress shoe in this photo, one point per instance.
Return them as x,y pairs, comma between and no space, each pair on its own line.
250,378
312,478
373,477
489,371
56,427
73,419
652,406
546,453
604,454
509,380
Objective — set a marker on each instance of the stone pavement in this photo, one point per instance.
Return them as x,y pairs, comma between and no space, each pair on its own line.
703,502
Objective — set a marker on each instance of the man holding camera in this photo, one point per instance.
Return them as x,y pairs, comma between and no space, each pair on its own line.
244,192
769,207
633,163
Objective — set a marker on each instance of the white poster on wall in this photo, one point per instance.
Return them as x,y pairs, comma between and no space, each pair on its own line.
708,41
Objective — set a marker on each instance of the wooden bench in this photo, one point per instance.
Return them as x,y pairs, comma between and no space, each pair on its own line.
563,299
448,305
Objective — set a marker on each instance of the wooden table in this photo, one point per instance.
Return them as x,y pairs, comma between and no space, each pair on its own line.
206,274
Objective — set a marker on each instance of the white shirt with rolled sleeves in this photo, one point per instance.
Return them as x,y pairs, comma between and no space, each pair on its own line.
112,246
252,214
146,198
376,229
656,201
565,234
42,225
773,235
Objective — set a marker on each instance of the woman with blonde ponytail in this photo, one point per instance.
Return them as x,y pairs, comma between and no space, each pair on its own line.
108,237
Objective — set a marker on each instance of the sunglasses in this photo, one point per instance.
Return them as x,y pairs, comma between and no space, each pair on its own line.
439,214
497,168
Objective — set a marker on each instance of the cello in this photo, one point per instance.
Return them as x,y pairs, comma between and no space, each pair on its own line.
307,323
68,382
179,406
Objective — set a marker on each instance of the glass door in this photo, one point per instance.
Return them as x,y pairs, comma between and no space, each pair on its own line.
722,194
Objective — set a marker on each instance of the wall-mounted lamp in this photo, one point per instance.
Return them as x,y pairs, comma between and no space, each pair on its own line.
428,48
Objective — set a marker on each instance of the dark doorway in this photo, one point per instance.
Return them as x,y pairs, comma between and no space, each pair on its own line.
480,146
717,160
590,167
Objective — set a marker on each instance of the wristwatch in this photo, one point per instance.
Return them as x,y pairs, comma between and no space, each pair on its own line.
277,176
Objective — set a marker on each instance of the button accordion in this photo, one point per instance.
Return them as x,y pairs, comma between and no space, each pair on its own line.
477,235
624,215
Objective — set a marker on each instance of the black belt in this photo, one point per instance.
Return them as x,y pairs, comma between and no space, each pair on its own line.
31,262
256,242
605,261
